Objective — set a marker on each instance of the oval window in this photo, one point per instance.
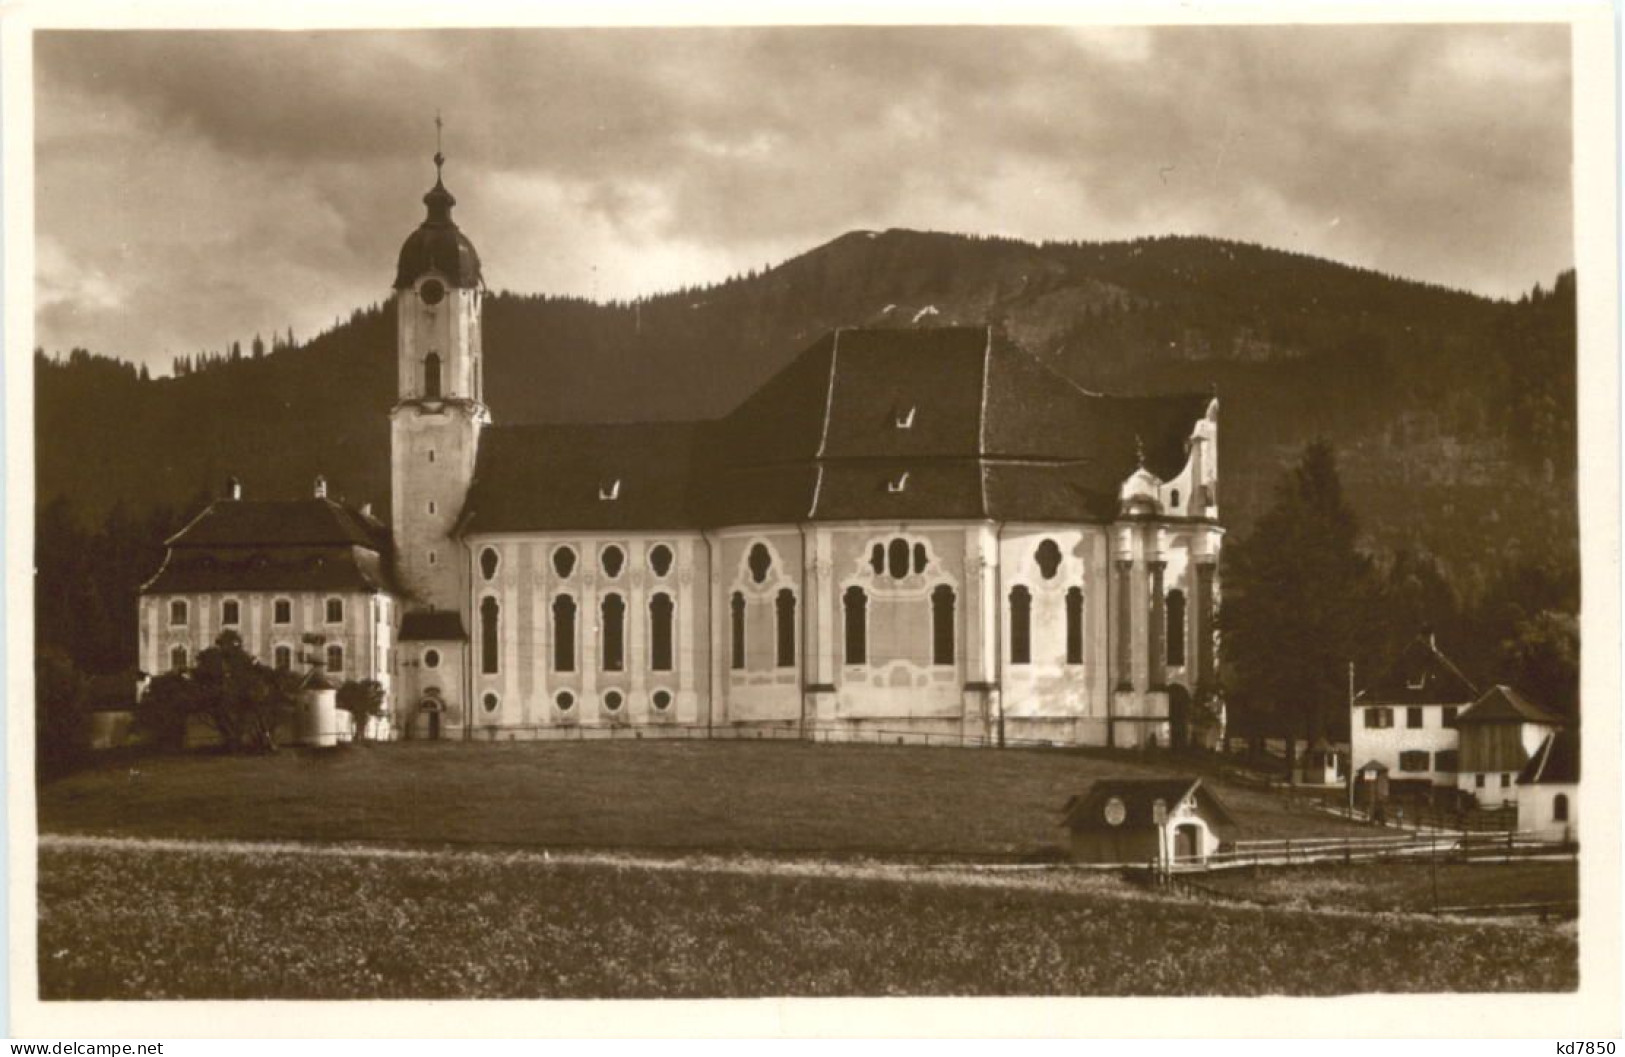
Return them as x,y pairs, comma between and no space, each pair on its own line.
1048,557
612,700
613,560
488,562
490,702
1115,812
564,561
877,558
660,559
920,560
760,562
662,700
431,658
565,700
432,292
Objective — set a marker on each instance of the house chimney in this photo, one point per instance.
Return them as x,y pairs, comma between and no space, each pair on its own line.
234,489
321,487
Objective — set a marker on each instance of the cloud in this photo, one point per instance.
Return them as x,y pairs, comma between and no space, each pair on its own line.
195,187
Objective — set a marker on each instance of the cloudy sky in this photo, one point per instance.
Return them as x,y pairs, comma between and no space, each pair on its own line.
193,188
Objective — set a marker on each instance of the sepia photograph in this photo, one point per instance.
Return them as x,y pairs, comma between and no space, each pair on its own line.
809,511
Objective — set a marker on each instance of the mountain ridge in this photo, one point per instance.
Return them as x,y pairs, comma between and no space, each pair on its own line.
1454,413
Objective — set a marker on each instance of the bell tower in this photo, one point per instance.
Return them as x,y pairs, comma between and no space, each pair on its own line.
440,406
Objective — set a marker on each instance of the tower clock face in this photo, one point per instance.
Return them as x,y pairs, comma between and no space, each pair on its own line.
431,292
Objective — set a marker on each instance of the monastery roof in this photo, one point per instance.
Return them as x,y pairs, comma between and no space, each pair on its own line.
315,544
1422,674
1502,704
1138,797
1556,762
940,423
270,568
281,522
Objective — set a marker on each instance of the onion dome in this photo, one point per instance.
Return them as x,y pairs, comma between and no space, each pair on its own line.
437,245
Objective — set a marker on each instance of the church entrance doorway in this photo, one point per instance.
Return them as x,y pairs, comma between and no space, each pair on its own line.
432,707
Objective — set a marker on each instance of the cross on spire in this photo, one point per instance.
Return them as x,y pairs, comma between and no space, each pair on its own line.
439,158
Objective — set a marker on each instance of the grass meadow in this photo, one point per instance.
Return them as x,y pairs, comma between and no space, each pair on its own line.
1407,886
764,797
147,923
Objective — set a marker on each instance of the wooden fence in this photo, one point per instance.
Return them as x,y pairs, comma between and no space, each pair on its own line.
1453,847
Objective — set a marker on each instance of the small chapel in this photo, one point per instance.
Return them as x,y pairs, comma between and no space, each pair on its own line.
905,535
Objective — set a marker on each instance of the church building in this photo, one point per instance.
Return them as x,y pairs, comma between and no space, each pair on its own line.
905,534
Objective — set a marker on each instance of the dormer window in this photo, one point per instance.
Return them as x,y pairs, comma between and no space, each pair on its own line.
1419,683
898,483
905,417
609,490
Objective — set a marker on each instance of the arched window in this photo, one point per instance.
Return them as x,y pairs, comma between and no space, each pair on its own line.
784,611
488,562
660,610
942,624
1048,557
897,558
855,604
1560,808
760,561
335,611
736,630
335,659
564,634
1021,631
431,376
1176,628
613,610
1074,625
177,613
283,658
489,612
177,659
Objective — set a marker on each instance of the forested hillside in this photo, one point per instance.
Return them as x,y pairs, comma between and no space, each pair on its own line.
1453,416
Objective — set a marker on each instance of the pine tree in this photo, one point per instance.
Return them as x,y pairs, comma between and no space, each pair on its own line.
1297,605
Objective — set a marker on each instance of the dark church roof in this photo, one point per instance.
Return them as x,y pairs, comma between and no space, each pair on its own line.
314,544
1138,797
438,245
440,625
1556,762
940,423
1421,676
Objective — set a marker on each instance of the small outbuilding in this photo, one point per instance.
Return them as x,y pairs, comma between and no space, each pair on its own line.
1142,820
1549,789
1323,764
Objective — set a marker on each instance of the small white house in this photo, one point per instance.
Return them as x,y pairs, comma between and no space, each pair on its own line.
1136,821
1406,719
1549,789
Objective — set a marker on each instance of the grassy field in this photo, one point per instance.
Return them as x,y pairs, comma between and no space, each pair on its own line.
144,923
1403,886
837,800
